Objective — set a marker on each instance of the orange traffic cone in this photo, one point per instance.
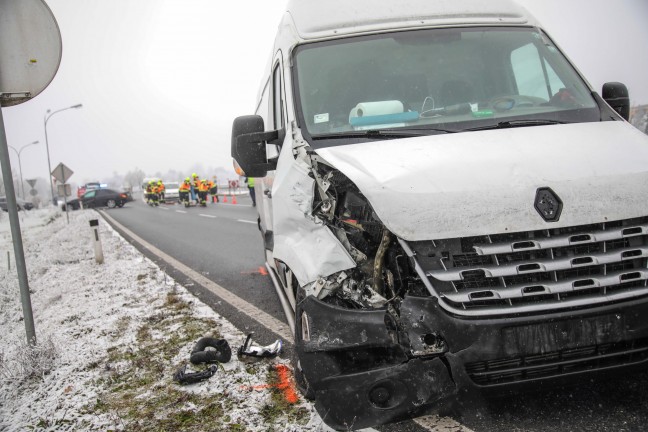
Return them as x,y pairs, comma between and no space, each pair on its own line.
234,199
224,198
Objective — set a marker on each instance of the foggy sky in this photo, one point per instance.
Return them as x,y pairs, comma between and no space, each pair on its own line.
161,80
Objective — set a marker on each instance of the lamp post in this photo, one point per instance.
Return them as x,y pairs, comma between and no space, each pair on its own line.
22,183
49,114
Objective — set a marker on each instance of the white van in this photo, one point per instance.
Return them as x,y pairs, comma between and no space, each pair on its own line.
447,206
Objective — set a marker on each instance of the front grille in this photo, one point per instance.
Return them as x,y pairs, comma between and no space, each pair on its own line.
536,271
557,364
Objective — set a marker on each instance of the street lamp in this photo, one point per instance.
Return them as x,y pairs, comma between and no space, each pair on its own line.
22,183
49,166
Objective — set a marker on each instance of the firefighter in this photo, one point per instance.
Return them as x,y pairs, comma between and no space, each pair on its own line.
194,186
209,185
184,190
213,190
149,192
161,190
203,190
153,194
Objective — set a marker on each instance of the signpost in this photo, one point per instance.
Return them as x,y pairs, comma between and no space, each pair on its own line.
30,55
33,192
64,189
62,173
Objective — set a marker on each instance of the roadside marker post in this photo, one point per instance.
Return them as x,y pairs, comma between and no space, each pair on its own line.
99,258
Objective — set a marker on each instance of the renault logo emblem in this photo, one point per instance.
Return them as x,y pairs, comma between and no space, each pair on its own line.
548,204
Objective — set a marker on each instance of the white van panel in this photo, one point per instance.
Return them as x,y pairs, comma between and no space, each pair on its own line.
477,183
305,244
315,19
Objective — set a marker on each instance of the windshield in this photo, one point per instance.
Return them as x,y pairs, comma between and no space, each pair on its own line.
436,81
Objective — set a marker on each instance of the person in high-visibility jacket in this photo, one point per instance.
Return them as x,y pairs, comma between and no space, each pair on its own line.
184,190
148,191
153,195
250,184
203,190
213,189
208,185
161,190
194,186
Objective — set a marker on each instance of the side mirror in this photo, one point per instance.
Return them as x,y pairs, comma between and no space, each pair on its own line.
249,145
616,95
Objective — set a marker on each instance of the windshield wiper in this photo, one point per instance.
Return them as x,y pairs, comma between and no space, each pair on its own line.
516,123
384,133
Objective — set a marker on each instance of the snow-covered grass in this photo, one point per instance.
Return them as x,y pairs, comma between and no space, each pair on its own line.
109,339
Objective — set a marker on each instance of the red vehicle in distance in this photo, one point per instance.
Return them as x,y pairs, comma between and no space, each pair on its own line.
86,187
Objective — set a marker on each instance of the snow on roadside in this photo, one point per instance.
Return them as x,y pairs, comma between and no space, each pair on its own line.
92,321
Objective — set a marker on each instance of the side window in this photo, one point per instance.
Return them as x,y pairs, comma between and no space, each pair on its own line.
277,99
533,74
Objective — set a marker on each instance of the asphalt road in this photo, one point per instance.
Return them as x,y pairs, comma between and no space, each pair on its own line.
222,242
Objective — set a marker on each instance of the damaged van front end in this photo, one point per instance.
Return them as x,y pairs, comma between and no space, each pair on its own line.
428,307
447,208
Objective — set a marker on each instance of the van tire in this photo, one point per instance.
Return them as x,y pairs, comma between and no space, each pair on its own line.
300,380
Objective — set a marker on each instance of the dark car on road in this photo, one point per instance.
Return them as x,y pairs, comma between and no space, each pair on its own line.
22,204
99,198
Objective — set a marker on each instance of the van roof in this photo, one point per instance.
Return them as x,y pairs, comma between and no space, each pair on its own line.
315,19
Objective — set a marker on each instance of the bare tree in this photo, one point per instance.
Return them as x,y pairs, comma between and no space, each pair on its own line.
135,178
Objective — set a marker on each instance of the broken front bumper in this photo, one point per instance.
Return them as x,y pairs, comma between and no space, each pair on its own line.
360,374
367,369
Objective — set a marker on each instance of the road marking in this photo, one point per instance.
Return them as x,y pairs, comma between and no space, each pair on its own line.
180,211
204,215
230,204
245,221
254,313
163,208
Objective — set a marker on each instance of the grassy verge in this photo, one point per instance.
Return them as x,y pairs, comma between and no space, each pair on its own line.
141,396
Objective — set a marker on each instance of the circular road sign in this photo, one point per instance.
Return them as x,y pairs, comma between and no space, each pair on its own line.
30,49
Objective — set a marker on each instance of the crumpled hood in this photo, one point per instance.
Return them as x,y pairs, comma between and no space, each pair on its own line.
485,182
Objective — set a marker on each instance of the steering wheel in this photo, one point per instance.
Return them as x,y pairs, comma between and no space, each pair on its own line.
564,98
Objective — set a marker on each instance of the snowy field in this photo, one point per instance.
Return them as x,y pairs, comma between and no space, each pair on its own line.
111,336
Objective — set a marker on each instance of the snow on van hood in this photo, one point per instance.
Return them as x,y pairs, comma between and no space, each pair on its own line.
485,182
